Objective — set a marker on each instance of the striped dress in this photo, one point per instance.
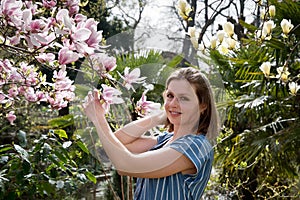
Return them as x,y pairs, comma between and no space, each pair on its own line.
180,186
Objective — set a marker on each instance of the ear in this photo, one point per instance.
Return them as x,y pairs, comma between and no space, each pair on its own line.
202,107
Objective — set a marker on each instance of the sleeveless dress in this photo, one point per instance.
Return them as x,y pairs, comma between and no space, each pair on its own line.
180,186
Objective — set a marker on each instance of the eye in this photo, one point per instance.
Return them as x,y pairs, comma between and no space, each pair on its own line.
170,96
183,99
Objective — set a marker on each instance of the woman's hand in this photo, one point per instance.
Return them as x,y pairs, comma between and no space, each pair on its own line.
92,106
162,117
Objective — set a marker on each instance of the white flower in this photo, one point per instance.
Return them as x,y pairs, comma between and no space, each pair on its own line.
192,31
283,74
269,26
294,87
265,68
201,47
262,13
184,9
193,36
272,10
229,28
213,42
286,26
231,43
194,42
220,35
223,49
259,34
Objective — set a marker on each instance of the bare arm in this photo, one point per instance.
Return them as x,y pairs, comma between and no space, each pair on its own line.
151,164
131,135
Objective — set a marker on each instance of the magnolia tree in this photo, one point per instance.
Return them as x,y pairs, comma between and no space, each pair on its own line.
226,41
50,35
256,151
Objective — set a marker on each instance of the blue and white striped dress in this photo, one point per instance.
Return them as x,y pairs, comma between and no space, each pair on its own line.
180,186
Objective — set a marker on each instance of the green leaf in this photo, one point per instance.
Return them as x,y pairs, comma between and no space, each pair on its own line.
61,133
250,27
275,43
83,147
57,163
61,122
23,153
47,188
4,148
175,61
91,177
61,156
21,135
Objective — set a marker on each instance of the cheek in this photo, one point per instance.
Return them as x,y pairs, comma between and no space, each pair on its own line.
166,105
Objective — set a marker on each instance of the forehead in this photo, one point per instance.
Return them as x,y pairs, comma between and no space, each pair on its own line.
181,86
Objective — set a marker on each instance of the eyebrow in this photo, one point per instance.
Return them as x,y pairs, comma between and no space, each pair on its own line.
180,94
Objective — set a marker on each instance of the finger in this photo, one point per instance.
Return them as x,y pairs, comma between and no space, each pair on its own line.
90,96
96,94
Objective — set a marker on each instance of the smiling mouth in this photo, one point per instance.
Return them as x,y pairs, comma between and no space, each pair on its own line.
174,113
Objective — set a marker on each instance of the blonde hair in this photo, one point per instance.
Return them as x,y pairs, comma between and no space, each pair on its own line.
208,120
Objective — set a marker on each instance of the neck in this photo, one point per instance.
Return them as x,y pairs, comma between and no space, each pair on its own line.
180,131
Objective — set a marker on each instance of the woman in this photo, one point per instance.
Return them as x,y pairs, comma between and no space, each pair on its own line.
176,164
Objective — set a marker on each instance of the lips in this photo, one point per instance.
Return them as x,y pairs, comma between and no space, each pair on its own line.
175,113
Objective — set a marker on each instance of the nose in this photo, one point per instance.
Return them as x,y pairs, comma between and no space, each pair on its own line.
174,102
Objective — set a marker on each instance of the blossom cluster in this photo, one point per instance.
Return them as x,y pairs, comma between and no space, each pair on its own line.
226,42
266,33
53,35
38,35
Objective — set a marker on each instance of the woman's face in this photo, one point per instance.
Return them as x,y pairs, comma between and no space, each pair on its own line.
182,105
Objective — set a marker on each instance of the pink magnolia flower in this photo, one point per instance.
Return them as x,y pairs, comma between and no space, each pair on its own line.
73,6
110,96
11,117
66,56
95,36
57,102
69,95
15,76
103,63
13,91
2,98
49,4
132,77
109,63
41,96
12,10
80,18
15,40
5,65
45,57
61,74
64,84
144,107
30,95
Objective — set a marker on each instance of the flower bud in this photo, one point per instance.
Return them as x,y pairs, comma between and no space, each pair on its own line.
192,31
283,74
231,43
229,28
286,26
262,13
213,43
265,68
220,35
294,87
184,9
272,11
